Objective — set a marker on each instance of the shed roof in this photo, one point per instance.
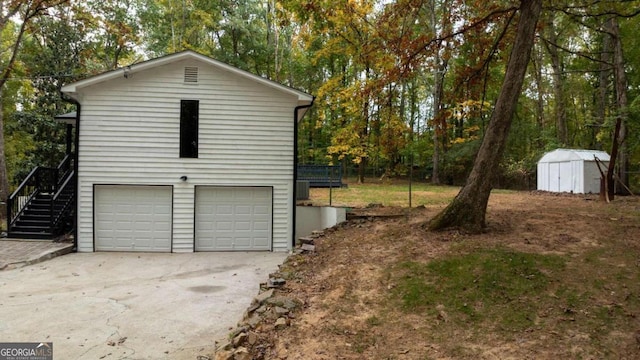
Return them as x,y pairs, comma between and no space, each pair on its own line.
73,88
560,155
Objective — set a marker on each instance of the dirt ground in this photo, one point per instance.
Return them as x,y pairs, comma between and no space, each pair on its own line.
346,285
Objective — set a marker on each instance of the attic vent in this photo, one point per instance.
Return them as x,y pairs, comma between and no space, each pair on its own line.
191,74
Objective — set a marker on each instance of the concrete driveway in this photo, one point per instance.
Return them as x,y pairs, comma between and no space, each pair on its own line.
131,306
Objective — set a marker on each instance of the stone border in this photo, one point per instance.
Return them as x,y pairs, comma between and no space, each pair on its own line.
268,311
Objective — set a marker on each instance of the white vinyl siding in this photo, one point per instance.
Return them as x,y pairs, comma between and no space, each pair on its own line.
129,134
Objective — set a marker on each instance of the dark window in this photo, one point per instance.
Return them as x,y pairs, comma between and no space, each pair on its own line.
189,128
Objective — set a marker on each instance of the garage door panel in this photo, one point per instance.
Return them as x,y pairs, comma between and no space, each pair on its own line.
243,210
223,226
261,241
233,218
261,226
133,218
243,226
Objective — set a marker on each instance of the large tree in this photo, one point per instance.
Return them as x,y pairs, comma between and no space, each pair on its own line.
26,11
468,209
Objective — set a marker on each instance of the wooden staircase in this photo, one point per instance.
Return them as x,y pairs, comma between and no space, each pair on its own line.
43,205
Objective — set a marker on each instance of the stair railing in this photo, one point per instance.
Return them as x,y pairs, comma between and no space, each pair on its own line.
64,168
39,180
61,204
20,198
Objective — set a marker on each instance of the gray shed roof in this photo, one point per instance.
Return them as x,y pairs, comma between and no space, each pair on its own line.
561,155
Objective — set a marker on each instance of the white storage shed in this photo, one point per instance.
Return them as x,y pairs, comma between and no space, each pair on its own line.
571,170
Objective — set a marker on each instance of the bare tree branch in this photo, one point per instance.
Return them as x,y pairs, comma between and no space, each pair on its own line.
585,55
574,10
489,17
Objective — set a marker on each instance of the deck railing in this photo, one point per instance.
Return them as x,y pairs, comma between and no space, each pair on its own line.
321,175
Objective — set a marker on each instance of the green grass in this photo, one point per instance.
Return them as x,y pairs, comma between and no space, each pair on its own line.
360,195
387,193
497,285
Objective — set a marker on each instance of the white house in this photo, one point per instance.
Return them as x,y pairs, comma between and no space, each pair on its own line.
570,170
184,153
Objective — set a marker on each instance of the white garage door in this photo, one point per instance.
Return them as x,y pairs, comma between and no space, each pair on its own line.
133,218
233,218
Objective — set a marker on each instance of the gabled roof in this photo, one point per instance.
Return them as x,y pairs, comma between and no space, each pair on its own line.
73,88
560,155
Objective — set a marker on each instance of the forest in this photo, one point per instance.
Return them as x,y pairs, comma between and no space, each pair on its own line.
401,86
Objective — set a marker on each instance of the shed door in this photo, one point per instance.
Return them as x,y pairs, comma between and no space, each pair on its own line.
566,177
233,218
133,218
554,177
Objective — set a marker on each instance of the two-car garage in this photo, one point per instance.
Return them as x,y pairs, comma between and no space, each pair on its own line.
140,218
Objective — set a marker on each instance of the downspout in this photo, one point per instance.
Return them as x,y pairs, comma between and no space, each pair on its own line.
295,167
76,145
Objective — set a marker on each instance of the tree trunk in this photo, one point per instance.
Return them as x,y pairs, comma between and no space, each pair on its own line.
4,179
558,85
538,64
364,132
440,67
467,211
603,87
437,105
623,163
622,103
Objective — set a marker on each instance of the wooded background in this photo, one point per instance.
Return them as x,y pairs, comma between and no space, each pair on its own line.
398,84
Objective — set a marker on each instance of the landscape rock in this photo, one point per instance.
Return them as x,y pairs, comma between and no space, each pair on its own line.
281,323
239,339
281,311
252,338
263,296
225,345
283,301
307,248
224,355
252,321
238,330
276,282
271,315
306,240
254,305
241,353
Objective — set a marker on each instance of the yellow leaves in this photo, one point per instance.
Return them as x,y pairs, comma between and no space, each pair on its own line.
465,116
329,86
469,108
347,143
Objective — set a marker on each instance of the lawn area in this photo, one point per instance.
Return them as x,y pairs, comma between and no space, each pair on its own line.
394,193
555,276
